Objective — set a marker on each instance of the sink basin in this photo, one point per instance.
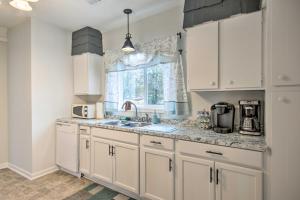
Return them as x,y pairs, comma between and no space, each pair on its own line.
134,124
124,123
109,122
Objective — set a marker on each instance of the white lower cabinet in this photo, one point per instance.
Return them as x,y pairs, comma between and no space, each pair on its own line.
116,163
157,174
126,166
237,183
101,157
194,178
85,154
201,173
208,180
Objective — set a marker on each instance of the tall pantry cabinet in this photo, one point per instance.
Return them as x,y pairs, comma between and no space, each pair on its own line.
283,98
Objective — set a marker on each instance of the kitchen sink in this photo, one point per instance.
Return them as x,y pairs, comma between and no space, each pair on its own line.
134,124
124,123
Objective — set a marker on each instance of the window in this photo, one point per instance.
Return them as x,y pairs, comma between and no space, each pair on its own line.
143,86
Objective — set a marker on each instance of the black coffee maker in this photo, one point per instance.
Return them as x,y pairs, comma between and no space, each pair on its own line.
222,117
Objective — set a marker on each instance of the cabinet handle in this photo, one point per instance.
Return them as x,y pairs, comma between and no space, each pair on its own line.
211,176
87,144
155,142
216,153
113,151
217,177
109,151
170,164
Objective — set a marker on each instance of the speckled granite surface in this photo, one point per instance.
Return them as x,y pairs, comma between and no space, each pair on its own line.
187,133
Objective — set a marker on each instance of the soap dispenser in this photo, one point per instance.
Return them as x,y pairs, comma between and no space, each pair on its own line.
155,118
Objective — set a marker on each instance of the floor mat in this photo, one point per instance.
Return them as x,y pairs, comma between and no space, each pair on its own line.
97,192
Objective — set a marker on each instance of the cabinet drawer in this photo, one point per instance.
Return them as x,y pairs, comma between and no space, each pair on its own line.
65,127
225,154
84,130
121,136
157,142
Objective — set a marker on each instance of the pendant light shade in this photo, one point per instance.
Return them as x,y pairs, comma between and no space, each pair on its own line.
128,46
21,5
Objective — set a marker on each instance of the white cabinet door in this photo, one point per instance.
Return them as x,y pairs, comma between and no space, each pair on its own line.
285,160
101,165
237,183
157,174
241,51
194,178
203,57
85,154
126,166
285,43
81,78
87,74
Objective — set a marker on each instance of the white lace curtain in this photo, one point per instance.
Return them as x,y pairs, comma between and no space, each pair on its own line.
162,51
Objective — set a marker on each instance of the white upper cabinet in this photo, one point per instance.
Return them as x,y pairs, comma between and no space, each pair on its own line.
87,74
285,43
203,56
226,54
237,183
241,51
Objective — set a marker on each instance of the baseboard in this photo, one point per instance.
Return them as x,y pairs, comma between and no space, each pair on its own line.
43,172
3,165
20,171
32,176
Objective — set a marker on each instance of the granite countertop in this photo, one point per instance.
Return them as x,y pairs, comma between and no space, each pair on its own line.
187,133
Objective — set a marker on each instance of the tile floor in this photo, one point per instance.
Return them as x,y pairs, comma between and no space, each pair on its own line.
56,186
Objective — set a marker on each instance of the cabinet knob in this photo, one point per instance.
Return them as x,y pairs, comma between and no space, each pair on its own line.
212,83
283,100
231,82
282,77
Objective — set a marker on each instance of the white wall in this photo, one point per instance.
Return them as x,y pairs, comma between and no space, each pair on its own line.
165,24
40,88
52,88
3,98
19,97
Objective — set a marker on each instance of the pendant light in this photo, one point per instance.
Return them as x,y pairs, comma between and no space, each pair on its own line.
128,46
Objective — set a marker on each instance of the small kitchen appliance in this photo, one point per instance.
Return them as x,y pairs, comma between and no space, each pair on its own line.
250,117
84,111
222,117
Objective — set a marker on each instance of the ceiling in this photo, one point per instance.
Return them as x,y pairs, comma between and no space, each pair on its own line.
75,14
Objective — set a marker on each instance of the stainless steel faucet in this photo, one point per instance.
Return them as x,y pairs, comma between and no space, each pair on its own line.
127,105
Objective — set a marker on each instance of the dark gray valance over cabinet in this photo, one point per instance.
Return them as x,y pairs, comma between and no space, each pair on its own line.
87,40
200,11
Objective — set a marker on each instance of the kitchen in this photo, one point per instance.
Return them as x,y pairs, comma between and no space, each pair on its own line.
198,106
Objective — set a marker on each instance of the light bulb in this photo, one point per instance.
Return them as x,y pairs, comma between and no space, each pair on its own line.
21,5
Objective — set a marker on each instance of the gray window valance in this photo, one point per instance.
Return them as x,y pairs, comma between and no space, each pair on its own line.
200,11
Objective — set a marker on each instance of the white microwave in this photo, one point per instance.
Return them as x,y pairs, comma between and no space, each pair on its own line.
84,111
